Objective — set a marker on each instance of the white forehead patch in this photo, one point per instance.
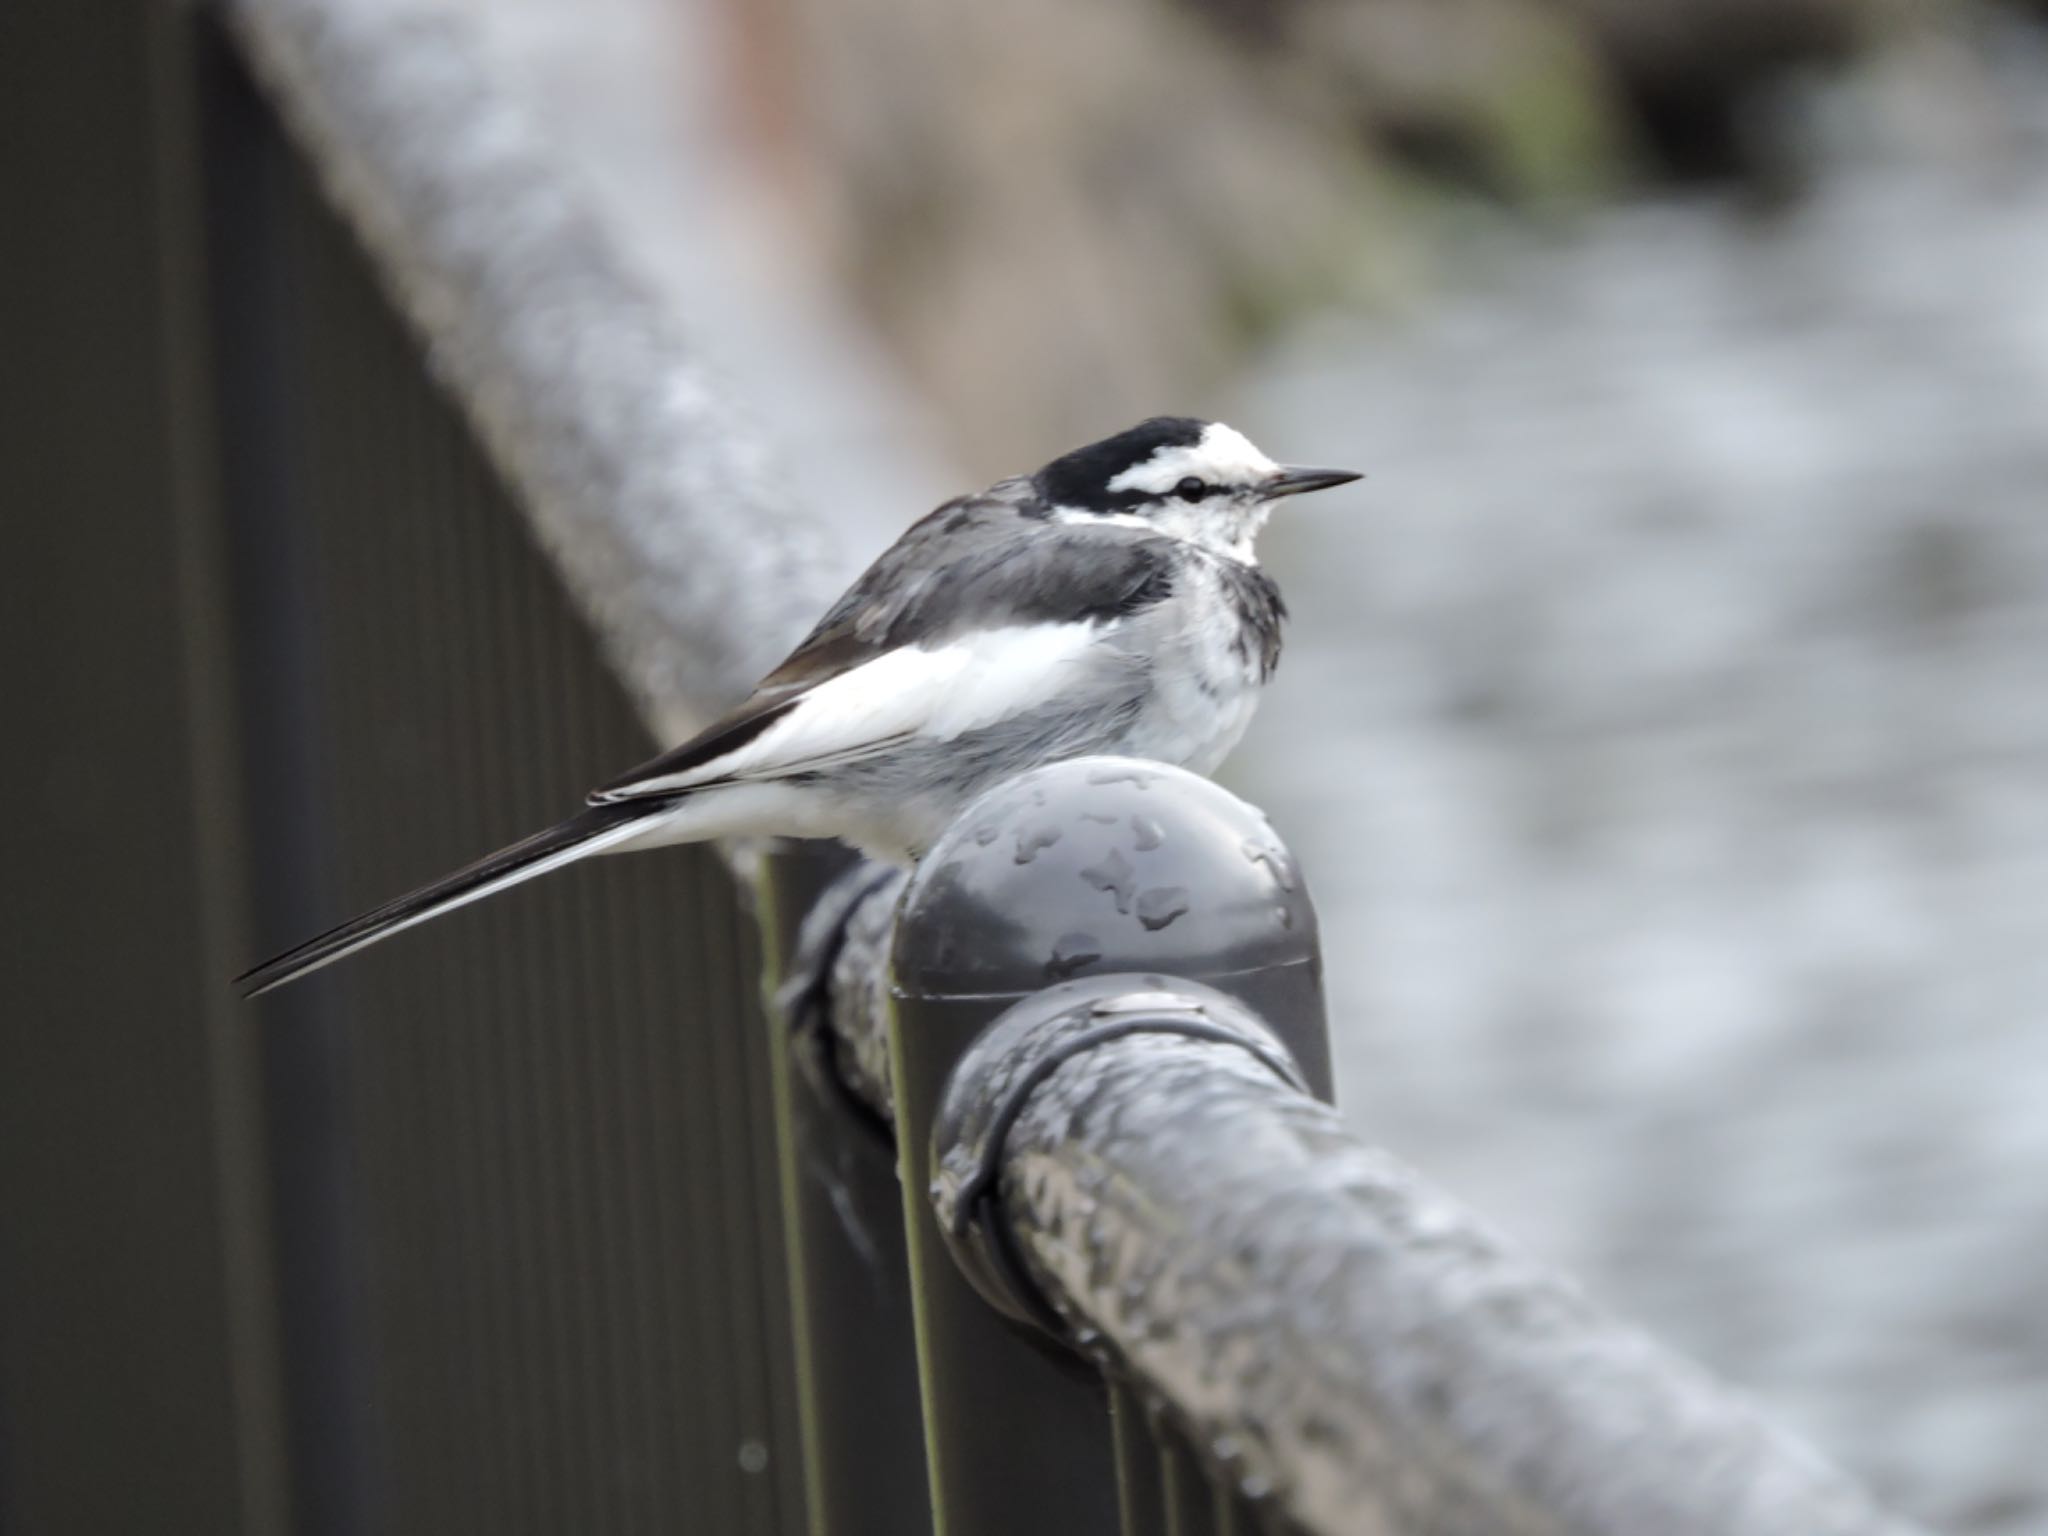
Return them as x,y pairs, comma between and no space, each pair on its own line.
1224,456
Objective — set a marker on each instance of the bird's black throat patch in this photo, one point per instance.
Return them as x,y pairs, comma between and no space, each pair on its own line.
1260,611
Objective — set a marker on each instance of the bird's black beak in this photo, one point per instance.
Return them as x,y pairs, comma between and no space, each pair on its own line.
1293,480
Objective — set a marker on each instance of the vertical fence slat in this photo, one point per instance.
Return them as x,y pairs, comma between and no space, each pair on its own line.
1141,1508
1189,1500
862,1429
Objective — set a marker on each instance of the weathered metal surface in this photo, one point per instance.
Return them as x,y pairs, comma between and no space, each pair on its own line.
1353,1348
1109,848
836,985
1110,864
1362,1354
994,1081
1074,870
648,490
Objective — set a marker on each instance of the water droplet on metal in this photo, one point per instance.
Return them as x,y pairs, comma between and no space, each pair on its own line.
1161,905
1114,875
986,833
1035,840
1275,860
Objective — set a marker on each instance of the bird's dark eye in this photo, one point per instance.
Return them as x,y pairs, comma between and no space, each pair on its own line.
1191,489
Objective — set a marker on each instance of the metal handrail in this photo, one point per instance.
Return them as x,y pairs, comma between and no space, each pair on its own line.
1136,1167
1326,1332
628,458
1336,1337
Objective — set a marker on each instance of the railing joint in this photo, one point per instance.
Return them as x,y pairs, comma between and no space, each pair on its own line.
993,1082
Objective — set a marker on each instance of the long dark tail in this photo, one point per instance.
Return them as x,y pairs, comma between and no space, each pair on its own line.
591,832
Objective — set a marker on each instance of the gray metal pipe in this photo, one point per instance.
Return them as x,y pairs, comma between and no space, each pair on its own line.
1358,1350
836,983
1360,1353
649,490
1058,876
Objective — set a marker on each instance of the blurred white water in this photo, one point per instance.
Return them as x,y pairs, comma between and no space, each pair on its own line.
1665,732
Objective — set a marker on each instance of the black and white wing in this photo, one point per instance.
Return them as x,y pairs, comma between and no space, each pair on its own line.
973,615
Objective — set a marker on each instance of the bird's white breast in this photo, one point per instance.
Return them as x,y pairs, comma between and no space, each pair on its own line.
1205,679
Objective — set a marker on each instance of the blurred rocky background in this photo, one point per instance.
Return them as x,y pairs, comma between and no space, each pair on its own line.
1054,210
1665,722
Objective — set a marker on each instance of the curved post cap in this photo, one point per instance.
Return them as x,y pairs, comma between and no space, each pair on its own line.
1100,864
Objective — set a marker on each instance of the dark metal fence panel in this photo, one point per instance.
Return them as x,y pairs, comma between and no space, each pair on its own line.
542,1129
133,1369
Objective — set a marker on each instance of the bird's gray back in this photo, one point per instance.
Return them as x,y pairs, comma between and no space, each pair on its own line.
986,561
1186,638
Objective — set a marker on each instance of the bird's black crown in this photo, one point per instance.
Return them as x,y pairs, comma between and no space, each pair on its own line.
1081,478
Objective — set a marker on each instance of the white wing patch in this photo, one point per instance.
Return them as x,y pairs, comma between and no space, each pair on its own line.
1224,456
1087,517
935,694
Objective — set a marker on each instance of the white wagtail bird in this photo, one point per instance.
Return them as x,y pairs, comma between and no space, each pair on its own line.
1109,603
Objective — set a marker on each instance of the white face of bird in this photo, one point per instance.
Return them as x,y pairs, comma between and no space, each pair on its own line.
1198,480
